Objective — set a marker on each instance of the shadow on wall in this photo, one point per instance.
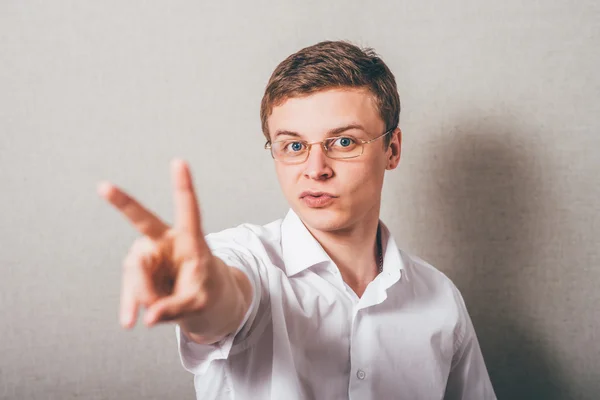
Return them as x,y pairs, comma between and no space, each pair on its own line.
488,189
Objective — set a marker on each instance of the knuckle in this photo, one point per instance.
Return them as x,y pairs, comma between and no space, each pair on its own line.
142,244
192,302
146,298
199,302
142,254
133,261
133,255
170,234
128,262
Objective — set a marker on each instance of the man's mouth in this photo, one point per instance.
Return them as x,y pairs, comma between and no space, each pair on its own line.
317,199
316,194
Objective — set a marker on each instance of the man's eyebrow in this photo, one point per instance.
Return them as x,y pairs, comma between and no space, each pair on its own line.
286,133
341,129
331,132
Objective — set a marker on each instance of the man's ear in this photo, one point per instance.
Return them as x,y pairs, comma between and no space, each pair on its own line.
396,147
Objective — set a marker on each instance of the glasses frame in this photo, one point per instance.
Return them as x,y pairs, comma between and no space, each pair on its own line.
269,146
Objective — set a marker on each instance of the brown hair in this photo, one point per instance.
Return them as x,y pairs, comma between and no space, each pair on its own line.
332,64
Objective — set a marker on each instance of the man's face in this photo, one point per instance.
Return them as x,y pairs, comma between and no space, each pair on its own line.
353,186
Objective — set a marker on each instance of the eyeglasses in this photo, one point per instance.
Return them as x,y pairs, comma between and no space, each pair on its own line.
294,151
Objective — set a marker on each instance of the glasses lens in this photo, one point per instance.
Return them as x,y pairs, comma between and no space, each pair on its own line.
343,147
289,151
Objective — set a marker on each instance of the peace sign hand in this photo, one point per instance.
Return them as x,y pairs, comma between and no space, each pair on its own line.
171,271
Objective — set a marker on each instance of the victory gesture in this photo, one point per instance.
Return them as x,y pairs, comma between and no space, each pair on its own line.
171,271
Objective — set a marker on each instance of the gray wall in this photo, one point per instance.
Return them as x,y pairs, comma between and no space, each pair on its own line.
498,184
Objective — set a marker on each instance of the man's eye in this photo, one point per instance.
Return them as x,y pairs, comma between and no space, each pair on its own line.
344,142
294,147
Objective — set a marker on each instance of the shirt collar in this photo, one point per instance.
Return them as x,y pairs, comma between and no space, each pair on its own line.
299,247
301,250
393,261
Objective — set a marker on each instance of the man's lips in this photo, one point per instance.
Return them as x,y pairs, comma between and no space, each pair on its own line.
317,199
316,194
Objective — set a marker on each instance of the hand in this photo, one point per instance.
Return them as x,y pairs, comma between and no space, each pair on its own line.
170,270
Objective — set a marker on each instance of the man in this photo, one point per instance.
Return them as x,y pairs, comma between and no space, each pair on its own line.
320,304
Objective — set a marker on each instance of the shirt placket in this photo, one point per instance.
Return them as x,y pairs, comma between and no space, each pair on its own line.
361,342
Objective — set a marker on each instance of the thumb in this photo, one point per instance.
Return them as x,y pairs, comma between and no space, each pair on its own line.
165,309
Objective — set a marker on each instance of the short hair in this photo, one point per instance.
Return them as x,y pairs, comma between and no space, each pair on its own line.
328,65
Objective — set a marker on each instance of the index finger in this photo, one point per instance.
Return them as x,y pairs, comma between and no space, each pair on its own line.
187,211
143,220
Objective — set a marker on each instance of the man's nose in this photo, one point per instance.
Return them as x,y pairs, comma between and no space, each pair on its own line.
317,164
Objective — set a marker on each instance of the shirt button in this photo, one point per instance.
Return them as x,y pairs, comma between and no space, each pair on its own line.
360,374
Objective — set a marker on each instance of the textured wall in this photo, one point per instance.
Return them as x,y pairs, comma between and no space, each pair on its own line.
498,186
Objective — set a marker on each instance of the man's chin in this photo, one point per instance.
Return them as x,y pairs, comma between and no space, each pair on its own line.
323,219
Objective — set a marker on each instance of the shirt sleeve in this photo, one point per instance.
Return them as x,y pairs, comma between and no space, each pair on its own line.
468,378
196,357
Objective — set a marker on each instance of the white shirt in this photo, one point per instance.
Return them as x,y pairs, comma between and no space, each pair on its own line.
308,336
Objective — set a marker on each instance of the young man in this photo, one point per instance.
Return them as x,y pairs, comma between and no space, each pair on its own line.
320,304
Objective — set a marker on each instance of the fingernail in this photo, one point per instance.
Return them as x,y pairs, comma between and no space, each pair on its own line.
125,321
103,188
149,319
177,163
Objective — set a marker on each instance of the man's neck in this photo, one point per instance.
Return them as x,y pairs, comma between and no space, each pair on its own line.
354,251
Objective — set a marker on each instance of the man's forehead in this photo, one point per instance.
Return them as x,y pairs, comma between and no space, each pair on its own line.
325,111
